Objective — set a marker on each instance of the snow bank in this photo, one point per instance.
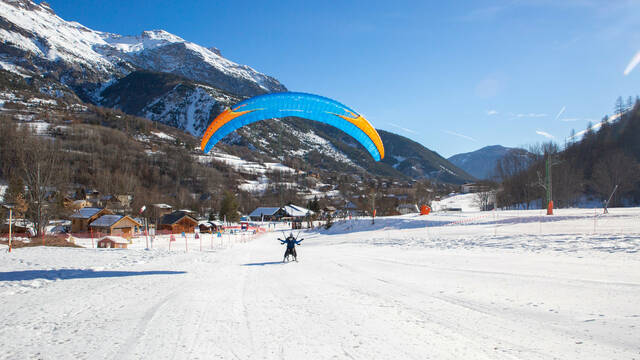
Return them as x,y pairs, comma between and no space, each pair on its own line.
466,285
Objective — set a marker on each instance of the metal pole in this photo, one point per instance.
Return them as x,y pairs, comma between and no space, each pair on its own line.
146,231
606,204
10,221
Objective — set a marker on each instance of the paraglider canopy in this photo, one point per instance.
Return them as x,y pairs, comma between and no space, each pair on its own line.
301,105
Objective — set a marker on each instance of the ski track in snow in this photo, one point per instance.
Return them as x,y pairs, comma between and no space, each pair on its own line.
350,296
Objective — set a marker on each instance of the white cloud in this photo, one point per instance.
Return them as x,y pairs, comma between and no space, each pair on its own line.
570,119
560,112
492,112
459,135
545,134
531,115
632,64
403,128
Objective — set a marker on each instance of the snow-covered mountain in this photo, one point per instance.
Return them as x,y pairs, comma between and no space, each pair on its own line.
37,41
160,76
169,99
481,163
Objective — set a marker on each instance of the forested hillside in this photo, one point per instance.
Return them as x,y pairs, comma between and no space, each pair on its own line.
589,167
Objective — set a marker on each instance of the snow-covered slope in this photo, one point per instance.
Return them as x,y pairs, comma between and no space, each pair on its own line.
595,127
37,30
36,40
514,285
161,51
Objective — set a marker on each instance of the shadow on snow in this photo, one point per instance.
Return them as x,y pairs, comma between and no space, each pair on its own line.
264,263
65,274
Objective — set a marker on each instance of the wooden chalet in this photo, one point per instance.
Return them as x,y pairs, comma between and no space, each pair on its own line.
209,227
82,218
114,242
117,225
266,214
178,222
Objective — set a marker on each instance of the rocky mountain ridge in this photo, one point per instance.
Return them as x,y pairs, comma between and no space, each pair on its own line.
482,162
160,76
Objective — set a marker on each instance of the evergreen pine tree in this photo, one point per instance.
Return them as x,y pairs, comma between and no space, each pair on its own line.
229,207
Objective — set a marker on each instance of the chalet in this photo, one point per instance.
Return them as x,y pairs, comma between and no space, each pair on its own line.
92,194
407,209
82,218
160,210
115,242
209,226
329,210
265,214
112,203
178,222
124,199
117,225
473,188
296,212
18,227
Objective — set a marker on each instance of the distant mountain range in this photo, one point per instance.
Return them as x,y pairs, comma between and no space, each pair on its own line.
482,163
167,79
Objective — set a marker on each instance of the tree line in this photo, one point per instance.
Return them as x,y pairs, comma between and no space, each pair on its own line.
592,166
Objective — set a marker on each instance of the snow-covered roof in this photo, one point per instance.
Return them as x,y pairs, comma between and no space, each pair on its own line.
264,211
106,220
85,213
174,217
162,206
296,211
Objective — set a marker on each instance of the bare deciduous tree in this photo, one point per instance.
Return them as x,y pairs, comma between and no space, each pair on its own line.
38,160
616,169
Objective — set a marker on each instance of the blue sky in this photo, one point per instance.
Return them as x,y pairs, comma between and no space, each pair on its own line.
454,76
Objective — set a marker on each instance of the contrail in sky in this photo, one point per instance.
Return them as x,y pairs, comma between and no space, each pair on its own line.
460,135
560,112
402,128
632,64
545,134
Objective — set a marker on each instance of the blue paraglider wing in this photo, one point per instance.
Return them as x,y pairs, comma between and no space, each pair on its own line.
301,105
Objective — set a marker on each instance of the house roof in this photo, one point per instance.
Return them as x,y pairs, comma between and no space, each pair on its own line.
210,223
106,220
109,198
110,220
162,206
296,211
174,217
86,213
264,211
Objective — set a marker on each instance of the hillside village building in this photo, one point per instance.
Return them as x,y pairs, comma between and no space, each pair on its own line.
81,219
178,222
117,225
266,214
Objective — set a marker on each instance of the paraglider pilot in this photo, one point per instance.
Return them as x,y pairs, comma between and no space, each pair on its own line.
291,247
